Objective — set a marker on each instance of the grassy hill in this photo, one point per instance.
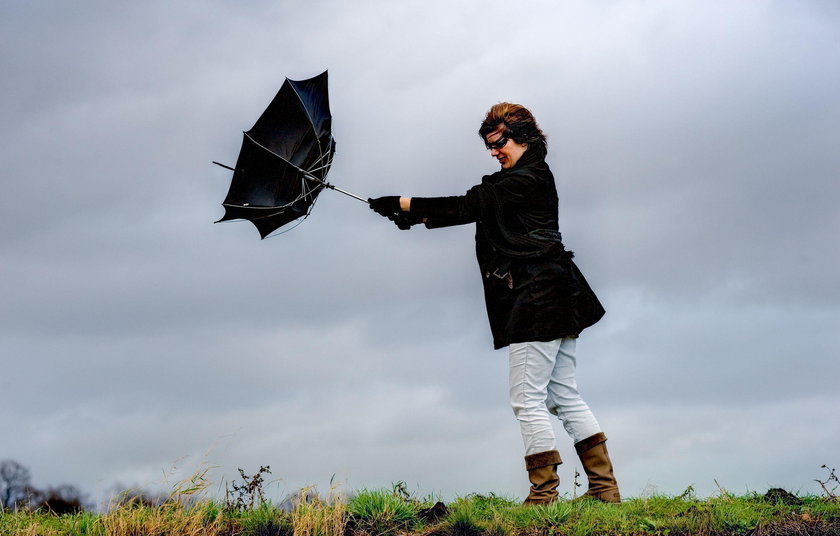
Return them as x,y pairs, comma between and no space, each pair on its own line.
395,512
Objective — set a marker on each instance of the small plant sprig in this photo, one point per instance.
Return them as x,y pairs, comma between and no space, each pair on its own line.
400,491
689,494
249,493
832,477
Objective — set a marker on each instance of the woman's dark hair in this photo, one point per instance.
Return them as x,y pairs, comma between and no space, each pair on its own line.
516,122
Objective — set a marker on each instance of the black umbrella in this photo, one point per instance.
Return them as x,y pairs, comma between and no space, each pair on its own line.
284,159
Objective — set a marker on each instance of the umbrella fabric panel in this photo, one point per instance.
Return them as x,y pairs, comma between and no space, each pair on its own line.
294,125
315,98
264,179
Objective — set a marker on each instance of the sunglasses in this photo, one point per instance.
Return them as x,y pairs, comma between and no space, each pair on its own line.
496,145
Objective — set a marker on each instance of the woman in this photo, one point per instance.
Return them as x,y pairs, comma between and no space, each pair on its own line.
537,300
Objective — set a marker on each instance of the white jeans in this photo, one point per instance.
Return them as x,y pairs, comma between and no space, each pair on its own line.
542,381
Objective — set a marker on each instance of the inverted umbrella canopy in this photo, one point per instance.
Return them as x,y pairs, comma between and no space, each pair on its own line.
284,159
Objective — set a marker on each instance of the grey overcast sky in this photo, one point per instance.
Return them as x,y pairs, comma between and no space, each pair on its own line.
695,146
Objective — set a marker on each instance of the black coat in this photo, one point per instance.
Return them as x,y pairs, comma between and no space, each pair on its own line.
532,289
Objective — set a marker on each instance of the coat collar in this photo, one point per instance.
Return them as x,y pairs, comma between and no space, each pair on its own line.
533,155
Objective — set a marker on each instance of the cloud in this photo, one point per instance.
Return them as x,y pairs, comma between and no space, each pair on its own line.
693,147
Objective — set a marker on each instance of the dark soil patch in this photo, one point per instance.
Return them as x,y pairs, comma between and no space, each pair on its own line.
778,495
434,513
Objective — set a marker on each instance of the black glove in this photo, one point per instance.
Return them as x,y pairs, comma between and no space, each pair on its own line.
385,206
404,220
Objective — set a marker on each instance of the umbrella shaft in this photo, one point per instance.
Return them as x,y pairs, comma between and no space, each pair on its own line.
354,196
331,187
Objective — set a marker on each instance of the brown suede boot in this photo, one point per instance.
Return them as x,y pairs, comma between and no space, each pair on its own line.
542,472
598,467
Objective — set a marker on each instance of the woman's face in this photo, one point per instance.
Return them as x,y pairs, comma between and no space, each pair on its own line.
505,150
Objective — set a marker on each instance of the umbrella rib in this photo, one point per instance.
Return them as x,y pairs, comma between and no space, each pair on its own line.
299,221
281,208
278,208
306,174
304,171
323,155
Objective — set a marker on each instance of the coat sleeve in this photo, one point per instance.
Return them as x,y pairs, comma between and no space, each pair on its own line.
514,190
443,211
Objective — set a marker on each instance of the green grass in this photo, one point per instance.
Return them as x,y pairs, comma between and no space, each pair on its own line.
382,513
388,513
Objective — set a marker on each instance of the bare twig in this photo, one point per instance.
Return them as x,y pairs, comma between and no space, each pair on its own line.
725,494
832,476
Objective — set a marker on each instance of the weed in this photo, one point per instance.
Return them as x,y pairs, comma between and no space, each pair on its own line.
400,490
689,494
249,493
576,484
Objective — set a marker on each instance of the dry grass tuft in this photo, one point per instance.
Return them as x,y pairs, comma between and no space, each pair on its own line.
313,516
162,520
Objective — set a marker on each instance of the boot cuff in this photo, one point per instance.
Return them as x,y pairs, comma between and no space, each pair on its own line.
589,442
542,459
